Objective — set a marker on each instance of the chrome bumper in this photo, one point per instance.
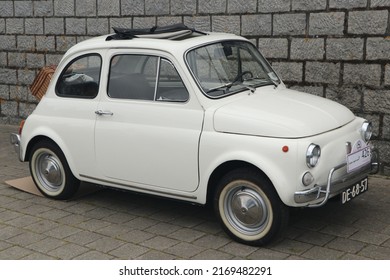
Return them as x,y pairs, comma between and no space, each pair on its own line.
15,141
319,195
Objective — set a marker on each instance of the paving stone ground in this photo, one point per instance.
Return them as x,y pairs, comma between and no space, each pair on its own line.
111,224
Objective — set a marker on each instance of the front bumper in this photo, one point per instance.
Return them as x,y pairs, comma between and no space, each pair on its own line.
15,141
319,195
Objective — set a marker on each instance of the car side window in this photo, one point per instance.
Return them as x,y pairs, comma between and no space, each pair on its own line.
170,86
132,77
144,77
80,78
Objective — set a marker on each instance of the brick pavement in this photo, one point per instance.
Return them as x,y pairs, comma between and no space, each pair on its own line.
110,224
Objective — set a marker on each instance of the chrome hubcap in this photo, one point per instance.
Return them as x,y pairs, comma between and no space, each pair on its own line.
49,171
246,210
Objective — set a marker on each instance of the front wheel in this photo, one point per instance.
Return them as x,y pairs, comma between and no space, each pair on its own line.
50,171
249,208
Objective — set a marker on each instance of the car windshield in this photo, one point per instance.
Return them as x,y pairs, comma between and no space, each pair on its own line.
228,67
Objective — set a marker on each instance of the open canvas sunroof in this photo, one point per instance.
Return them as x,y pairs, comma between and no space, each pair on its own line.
172,32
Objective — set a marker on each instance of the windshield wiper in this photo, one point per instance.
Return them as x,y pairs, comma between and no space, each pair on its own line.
263,81
229,85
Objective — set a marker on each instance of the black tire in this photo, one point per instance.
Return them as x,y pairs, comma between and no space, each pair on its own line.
248,207
50,171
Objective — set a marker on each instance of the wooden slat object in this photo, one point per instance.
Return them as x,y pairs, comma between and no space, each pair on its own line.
41,82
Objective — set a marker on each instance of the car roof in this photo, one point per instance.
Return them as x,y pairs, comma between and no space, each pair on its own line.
173,46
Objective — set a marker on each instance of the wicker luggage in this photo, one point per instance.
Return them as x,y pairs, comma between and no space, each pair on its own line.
41,82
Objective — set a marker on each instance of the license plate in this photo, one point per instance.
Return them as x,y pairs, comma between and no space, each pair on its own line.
360,155
354,191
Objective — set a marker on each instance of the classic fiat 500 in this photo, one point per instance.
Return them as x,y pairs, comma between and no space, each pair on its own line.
198,117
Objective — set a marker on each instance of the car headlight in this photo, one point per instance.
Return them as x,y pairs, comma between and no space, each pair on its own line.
313,154
366,131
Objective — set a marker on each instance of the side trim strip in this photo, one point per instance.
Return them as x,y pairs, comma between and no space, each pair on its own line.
130,187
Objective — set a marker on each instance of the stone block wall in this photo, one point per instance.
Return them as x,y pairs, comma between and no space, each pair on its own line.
338,49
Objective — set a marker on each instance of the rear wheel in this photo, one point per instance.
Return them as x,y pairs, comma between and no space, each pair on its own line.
249,208
50,171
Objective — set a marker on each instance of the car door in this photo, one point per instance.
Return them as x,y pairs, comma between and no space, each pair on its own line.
69,117
148,126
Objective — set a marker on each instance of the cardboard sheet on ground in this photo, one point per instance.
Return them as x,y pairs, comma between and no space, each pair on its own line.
27,184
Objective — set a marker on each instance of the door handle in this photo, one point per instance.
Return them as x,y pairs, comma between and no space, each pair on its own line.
105,113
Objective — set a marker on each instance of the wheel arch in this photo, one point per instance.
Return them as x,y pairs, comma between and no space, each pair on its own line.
38,138
32,143
226,167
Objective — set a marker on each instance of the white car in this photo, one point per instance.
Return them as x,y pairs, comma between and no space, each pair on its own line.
198,117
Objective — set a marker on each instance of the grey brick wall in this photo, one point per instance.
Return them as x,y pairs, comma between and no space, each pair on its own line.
338,49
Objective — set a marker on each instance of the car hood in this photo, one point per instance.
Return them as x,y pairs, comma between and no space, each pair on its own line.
281,113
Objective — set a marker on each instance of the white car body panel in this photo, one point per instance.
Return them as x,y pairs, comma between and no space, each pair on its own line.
281,113
285,170
151,143
73,132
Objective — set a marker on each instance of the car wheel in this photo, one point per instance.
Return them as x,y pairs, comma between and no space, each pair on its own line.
248,207
50,171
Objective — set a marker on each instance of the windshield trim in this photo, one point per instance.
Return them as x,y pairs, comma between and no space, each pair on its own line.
229,93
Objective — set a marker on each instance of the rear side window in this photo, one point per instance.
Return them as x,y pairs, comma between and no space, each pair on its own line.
80,78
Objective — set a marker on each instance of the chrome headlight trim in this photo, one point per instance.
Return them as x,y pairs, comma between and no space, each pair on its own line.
366,131
313,155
